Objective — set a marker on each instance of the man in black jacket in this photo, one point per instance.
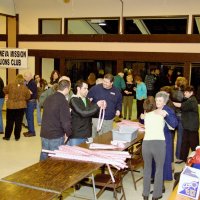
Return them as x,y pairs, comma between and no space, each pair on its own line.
82,112
56,119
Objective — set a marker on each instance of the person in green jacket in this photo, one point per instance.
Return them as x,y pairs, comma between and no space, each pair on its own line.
119,82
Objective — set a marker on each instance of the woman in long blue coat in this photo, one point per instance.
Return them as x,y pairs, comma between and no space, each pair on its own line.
171,123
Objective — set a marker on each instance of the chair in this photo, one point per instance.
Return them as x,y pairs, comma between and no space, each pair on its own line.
104,181
136,161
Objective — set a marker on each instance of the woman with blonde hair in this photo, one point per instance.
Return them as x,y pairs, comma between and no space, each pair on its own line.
17,94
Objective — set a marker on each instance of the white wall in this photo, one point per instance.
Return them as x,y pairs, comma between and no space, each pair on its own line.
47,68
2,44
31,66
2,24
114,46
30,10
7,7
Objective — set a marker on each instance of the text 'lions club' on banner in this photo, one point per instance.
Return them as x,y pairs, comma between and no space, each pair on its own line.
14,58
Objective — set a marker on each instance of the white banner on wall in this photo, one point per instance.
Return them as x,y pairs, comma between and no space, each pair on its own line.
14,58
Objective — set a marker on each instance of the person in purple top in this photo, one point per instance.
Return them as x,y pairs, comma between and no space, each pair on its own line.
113,97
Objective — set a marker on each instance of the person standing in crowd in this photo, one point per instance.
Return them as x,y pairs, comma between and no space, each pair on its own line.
54,78
177,96
41,87
156,144
99,81
56,120
1,104
167,79
119,82
18,95
171,105
128,97
149,82
82,111
190,122
91,81
70,93
31,104
157,84
141,95
113,98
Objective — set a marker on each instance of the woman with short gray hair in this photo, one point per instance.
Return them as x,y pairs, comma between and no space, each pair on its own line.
164,95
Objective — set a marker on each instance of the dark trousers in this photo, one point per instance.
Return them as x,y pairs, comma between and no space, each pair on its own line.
14,117
140,108
173,136
190,140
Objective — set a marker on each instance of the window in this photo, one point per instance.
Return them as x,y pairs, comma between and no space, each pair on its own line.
196,25
156,25
92,26
50,26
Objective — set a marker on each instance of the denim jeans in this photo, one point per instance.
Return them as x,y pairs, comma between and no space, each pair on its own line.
31,105
1,118
76,141
50,144
39,118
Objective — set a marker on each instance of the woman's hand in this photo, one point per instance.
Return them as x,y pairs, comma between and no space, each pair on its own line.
161,112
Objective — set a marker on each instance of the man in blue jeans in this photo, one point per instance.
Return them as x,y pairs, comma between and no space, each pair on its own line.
1,104
31,104
56,119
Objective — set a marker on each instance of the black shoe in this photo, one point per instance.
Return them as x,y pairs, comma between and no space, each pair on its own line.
179,162
29,135
77,186
152,181
4,138
16,139
153,198
1,132
163,190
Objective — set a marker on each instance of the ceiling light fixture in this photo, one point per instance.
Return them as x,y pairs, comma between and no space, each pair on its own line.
101,22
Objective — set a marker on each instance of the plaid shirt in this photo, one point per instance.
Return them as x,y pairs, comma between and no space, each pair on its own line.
149,81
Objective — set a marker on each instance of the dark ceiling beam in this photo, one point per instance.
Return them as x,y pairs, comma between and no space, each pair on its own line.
3,37
113,55
167,38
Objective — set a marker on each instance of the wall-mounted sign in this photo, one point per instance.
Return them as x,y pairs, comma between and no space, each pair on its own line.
14,58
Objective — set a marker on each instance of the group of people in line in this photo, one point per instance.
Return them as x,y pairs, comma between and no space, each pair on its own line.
71,117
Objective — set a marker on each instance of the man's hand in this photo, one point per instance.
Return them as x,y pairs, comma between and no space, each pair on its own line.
178,105
161,112
102,104
117,113
65,138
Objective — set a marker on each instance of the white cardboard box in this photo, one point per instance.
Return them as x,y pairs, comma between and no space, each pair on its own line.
189,184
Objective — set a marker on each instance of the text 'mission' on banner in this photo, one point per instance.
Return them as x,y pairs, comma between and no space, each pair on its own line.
14,58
